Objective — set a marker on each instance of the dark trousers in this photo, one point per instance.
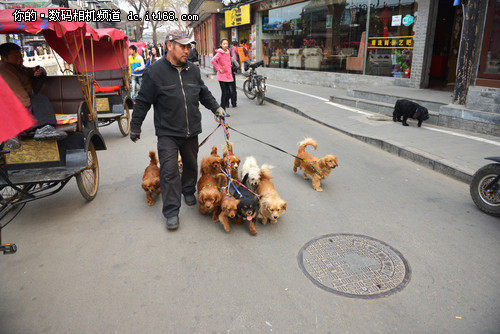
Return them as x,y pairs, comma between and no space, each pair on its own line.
233,91
172,186
42,110
225,87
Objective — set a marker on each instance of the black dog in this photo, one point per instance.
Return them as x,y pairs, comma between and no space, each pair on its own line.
408,109
248,206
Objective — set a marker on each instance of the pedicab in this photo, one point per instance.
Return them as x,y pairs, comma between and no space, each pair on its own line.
42,168
111,77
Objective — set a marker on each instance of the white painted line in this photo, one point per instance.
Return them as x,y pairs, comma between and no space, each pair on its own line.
350,108
484,140
296,92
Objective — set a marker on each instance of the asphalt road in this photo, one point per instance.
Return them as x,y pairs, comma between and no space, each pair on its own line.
110,266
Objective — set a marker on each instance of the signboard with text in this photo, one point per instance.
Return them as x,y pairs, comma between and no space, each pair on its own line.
396,42
237,16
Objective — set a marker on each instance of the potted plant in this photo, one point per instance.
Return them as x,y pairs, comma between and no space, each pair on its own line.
402,63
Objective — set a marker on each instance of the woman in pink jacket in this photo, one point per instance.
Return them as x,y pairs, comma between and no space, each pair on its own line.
222,64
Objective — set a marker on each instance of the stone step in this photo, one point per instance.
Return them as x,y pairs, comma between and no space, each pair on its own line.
460,117
391,99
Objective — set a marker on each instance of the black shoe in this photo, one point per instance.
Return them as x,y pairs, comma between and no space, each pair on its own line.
173,223
190,199
48,132
235,105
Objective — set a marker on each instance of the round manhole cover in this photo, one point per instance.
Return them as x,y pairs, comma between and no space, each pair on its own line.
354,266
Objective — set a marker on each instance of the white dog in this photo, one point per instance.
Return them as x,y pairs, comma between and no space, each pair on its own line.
251,168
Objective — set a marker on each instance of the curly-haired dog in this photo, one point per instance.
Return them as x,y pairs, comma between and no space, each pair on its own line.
248,207
212,163
271,205
408,109
316,168
151,178
251,169
209,196
228,207
234,161
179,163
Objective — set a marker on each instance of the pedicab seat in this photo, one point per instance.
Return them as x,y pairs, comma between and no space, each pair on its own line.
66,96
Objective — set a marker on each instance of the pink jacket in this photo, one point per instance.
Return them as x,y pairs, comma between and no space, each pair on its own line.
222,60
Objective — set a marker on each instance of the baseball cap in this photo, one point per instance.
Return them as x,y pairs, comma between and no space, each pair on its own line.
179,37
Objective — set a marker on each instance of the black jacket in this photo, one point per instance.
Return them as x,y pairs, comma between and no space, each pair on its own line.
175,97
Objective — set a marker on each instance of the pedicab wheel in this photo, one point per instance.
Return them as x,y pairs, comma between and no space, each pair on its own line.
248,92
124,122
88,179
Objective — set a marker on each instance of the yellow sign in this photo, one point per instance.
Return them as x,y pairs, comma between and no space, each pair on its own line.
237,16
397,42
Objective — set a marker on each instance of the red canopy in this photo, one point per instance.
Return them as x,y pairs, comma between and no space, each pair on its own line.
61,33
139,46
110,50
14,118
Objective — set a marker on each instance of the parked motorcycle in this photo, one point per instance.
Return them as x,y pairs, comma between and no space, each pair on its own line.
485,188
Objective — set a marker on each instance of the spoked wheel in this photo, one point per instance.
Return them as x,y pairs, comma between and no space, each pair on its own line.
248,92
88,179
124,123
486,201
261,92
9,195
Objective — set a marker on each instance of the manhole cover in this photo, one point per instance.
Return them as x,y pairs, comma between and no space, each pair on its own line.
354,266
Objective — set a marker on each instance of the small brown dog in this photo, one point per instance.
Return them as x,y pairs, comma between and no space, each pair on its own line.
272,206
229,207
179,163
151,179
209,196
234,161
212,163
316,168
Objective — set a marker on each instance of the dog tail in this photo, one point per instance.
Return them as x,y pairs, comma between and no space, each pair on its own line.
154,159
226,148
305,142
214,151
265,172
221,180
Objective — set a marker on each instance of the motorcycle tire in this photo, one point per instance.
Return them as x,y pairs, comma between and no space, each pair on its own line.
248,92
486,202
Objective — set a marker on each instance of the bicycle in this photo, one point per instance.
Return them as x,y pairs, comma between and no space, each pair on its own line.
255,85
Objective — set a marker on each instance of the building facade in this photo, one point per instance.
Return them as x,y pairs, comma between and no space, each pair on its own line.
345,43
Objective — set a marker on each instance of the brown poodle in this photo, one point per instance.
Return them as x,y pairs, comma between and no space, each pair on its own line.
233,160
272,206
316,168
209,196
151,179
229,207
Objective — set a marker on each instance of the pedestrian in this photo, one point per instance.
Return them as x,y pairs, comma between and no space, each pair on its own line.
136,69
234,69
25,82
175,88
193,55
222,64
155,55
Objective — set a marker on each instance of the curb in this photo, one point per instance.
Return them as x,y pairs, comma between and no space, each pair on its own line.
421,158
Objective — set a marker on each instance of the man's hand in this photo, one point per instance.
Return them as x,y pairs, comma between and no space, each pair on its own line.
220,112
135,136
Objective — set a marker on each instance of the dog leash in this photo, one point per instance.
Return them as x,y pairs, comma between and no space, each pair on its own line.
205,140
277,148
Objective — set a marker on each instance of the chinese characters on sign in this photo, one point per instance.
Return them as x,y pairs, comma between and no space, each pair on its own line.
237,16
397,42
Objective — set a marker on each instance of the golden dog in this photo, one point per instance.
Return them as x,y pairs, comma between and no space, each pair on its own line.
316,168
272,206
151,179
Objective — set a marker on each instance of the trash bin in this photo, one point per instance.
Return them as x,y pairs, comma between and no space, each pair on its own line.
294,58
313,58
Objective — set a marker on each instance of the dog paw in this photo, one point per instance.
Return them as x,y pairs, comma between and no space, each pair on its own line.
151,203
318,189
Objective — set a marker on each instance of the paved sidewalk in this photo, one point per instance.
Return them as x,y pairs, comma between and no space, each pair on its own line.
451,152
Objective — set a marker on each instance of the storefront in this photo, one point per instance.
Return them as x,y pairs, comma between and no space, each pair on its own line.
350,36
237,25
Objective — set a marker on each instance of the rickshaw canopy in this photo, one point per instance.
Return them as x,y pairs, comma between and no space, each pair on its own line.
110,50
63,36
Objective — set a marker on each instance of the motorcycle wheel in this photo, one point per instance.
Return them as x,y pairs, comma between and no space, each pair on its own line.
488,202
248,92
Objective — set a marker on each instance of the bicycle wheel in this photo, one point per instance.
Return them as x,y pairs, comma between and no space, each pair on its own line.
124,122
248,92
88,179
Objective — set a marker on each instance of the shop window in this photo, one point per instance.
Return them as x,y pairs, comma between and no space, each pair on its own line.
489,68
331,35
